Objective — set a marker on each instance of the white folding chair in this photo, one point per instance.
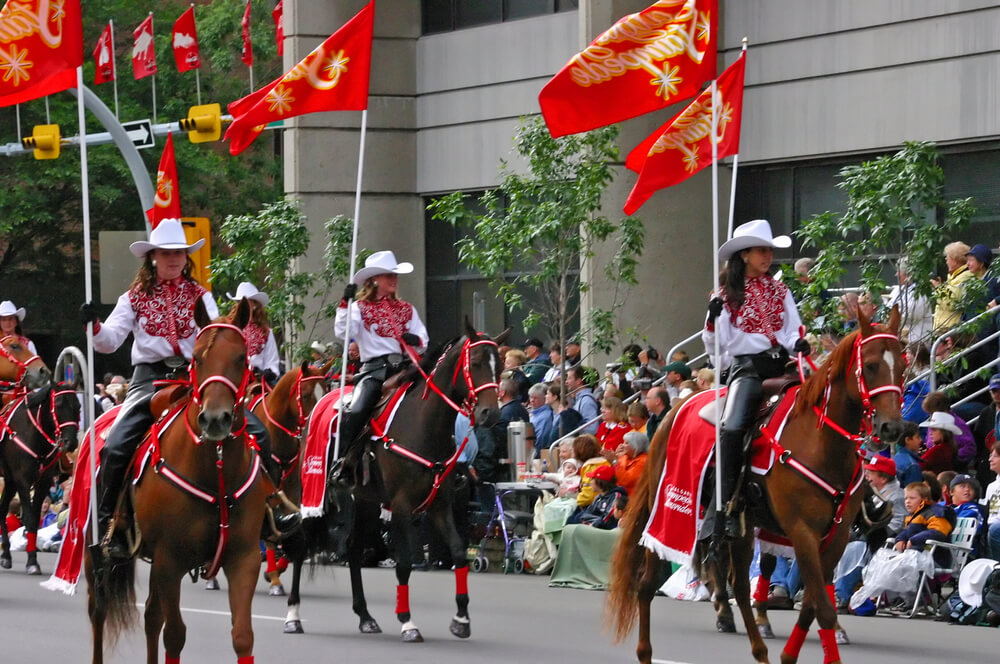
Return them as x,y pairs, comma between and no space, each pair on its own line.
960,545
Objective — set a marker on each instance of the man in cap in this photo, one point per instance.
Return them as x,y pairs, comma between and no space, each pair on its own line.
538,362
676,373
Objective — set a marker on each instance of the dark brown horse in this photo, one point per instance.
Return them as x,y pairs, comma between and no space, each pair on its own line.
36,430
200,503
411,474
857,389
19,367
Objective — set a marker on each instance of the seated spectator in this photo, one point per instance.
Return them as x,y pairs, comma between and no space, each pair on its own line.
583,399
600,513
985,433
556,364
538,362
917,313
684,390
541,417
676,373
915,393
965,442
658,404
48,515
512,368
941,452
948,293
613,427
630,460
926,521
609,391
638,416
943,480
14,514
564,418
992,502
965,491
908,454
705,379
587,451
568,478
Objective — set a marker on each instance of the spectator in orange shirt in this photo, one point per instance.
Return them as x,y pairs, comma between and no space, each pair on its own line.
631,458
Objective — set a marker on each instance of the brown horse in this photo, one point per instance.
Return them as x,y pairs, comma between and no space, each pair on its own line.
857,389
199,504
36,430
19,367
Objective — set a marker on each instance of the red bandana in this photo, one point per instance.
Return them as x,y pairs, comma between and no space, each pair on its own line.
256,338
387,317
763,307
169,311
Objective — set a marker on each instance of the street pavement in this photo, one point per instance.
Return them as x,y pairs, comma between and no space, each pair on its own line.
514,619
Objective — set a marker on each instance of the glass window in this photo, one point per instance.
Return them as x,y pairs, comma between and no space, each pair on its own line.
567,5
446,15
477,12
515,9
438,16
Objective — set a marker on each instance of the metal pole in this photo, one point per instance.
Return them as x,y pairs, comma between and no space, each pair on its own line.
114,66
715,284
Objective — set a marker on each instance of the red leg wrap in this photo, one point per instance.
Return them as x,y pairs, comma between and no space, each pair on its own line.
795,641
828,639
760,592
282,564
831,594
245,660
461,580
32,538
272,561
402,599
172,660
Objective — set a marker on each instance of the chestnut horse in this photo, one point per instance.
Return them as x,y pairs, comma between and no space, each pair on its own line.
36,430
811,494
19,367
200,503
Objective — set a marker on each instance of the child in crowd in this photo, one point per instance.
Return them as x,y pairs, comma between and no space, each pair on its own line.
965,492
944,481
907,456
587,451
942,453
601,512
992,502
568,478
927,521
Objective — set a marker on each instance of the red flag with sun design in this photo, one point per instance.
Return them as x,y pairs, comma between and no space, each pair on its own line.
167,203
334,77
41,45
683,146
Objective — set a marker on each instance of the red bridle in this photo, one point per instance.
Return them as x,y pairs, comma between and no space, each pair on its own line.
22,365
239,391
300,409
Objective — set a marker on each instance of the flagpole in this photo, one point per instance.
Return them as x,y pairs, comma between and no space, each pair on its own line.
17,115
250,67
354,254
719,508
197,84
88,400
736,162
114,65
154,99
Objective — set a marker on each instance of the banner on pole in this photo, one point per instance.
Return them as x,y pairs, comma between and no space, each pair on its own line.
143,50
247,55
279,26
167,202
185,42
40,49
104,57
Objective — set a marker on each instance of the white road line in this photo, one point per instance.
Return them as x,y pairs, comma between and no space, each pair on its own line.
226,613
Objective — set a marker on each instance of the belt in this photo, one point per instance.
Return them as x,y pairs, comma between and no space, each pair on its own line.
392,360
165,366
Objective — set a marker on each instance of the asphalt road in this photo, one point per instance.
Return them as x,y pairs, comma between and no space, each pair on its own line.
514,619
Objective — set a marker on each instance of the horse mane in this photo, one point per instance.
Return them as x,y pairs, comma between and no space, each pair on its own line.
835,365
40,397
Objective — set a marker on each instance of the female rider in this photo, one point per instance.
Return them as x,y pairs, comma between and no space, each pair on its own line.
262,349
10,323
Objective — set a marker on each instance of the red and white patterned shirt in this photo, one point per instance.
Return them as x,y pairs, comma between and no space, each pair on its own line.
262,349
377,326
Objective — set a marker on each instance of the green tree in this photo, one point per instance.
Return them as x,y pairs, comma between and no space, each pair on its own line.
537,232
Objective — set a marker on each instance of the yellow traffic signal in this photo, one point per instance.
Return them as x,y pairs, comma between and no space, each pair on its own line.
197,228
44,140
203,123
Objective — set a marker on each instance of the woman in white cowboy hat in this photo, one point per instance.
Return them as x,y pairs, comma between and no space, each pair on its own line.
942,453
262,349
757,324
10,323
380,323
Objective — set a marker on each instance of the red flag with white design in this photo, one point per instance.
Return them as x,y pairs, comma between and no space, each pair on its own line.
41,45
104,58
167,202
334,77
143,50
644,62
247,55
683,146
185,42
279,27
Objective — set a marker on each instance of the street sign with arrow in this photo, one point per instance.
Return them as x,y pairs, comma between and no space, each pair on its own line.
140,133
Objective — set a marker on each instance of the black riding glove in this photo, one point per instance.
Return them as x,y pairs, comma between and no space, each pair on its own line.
350,291
411,339
802,346
269,376
714,308
88,313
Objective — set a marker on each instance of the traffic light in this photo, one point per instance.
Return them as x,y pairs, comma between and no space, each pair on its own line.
198,228
44,140
203,123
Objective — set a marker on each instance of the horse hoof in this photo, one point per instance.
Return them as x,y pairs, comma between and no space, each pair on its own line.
34,570
725,625
462,630
294,627
5,562
370,627
276,591
842,638
212,584
765,631
412,636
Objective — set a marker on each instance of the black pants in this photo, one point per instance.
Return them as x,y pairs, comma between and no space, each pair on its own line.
367,392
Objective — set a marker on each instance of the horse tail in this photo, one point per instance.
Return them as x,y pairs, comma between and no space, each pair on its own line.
628,561
115,592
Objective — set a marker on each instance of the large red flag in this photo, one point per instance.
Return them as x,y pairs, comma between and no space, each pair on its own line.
143,51
167,203
334,77
644,62
41,44
683,146
279,27
185,42
104,57
247,55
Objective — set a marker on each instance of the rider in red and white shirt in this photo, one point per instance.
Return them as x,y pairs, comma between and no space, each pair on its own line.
757,325
379,321
262,348
10,324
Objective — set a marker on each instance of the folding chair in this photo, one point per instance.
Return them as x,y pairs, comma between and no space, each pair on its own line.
960,546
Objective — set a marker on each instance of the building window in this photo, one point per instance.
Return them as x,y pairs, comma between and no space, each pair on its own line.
448,15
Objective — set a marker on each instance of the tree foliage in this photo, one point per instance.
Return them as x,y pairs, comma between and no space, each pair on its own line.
538,231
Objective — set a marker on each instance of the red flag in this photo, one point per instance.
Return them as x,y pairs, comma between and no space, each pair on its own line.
683,146
247,55
167,203
40,46
185,42
143,51
644,62
104,57
334,77
279,28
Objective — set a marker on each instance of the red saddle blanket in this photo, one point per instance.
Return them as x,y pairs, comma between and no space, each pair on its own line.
678,513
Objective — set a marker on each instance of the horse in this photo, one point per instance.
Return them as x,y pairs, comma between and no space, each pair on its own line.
200,503
411,473
37,430
19,367
810,494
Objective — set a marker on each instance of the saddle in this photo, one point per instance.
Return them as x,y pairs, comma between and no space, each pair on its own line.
166,397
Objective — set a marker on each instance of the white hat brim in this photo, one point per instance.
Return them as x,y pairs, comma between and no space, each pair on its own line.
262,298
366,273
143,247
19,312
972,580
733,245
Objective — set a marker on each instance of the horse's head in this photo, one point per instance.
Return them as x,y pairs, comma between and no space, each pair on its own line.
312,384
878,364
219,369
19,365
65,408
475,374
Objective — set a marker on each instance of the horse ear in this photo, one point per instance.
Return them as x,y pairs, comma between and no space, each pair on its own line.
894,318
501,338
242,316
329,365
470,330
304,367
864,324
201,317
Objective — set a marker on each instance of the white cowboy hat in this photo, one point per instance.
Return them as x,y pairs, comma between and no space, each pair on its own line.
381,262
249,291
756,233
169,234
941,420
972,580
7,308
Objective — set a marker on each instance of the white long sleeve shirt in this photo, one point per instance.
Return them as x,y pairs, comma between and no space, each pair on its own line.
377,326
262,348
